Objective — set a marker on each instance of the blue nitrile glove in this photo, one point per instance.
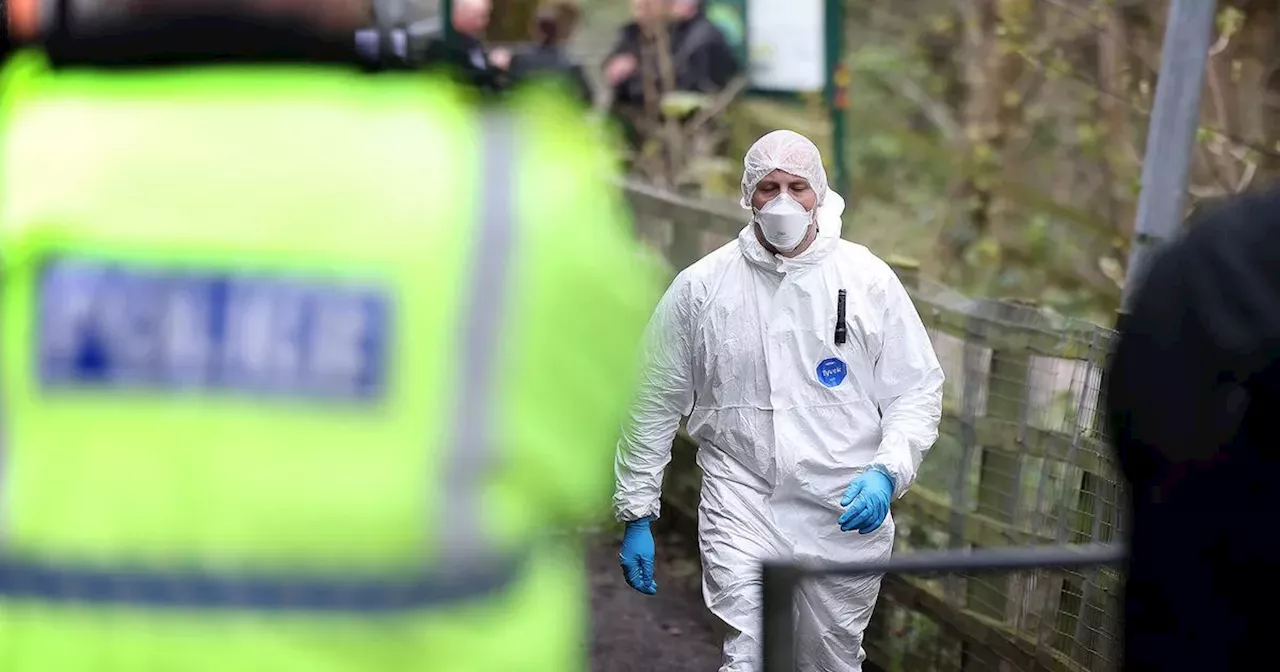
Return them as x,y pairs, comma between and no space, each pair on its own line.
867,500
636,557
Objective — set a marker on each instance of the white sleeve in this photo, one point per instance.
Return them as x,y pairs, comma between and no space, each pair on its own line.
908,382
665,394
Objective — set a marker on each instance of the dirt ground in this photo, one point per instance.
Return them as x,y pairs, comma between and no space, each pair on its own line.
671,631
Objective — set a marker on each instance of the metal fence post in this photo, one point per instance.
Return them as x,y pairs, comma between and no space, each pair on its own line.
1171,138
446,22
837,95
780,582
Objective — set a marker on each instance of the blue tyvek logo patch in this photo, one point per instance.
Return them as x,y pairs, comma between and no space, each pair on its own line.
832,372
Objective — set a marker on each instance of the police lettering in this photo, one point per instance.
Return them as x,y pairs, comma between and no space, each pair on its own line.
107,325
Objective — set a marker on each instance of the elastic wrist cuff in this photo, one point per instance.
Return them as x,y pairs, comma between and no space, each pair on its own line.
893,485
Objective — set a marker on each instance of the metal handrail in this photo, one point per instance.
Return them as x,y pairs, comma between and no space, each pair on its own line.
781,579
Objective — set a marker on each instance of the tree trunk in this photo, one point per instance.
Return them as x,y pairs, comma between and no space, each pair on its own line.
1113,44
1255,77
1239,148
991,69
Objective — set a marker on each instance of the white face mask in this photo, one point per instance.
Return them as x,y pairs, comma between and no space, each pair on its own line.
784,222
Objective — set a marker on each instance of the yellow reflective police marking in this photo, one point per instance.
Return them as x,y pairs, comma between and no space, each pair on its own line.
469,568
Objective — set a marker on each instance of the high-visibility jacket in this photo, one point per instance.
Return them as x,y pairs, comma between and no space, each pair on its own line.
299,370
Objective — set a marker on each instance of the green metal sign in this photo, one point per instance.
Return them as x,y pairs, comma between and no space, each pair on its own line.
791,51
837,91
446,21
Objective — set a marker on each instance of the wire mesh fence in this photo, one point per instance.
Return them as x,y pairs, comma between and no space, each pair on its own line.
1066,618
1022,460
1061,620
1023,444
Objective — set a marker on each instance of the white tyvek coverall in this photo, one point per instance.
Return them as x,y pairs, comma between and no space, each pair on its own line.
736,343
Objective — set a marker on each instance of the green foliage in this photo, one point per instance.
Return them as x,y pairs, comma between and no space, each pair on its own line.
1229,21
999,146
924,167
683,103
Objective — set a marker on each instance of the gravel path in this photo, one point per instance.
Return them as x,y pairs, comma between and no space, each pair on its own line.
671,631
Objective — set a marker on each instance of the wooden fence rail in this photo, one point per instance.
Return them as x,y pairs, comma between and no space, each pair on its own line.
1021,460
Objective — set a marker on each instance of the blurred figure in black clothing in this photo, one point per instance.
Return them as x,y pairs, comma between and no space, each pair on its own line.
701,58
552,27
1193,402
471,20
422,43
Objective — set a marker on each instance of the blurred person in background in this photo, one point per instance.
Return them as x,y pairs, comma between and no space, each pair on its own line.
471,21
422,42
1193,399
19,17
547,55
266,406
807,427
391,50
701,59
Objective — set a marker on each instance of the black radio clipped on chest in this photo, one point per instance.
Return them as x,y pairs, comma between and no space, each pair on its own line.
842,329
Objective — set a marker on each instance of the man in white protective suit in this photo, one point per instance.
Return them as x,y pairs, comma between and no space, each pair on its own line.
806,428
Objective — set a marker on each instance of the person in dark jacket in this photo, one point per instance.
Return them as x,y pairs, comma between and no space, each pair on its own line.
553,25
470,21
422,43
701,58
1193,399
